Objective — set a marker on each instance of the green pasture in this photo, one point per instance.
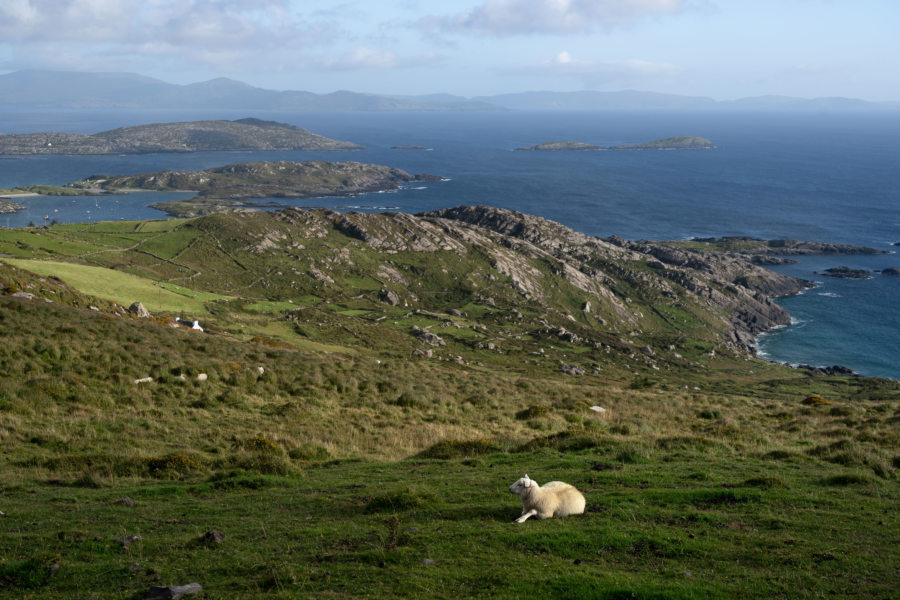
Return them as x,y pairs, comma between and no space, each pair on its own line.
122,287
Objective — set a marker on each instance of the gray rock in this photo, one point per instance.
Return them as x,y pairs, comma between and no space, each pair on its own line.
172,592
128,540
391,297
212,537
429,338
138,310
574,370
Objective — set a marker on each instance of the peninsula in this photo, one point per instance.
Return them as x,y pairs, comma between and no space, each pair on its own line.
189,136
672,143
233,187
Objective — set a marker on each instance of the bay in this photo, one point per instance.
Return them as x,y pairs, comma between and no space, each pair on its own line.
829,176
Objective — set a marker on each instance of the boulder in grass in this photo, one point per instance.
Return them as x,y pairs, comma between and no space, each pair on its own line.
172,592
139,310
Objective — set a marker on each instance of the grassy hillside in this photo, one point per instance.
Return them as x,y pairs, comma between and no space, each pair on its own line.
342,455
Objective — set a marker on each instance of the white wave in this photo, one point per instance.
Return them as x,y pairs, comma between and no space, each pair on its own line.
829,294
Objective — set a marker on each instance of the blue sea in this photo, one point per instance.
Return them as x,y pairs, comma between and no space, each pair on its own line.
822,176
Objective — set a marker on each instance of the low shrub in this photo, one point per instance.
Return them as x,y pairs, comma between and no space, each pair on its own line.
400,500
448,449
532,412
847,479
815,400
172,465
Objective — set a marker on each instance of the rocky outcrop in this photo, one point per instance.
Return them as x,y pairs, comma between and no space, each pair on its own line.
432,339
139,311
770,252
846,273
9,207
732,287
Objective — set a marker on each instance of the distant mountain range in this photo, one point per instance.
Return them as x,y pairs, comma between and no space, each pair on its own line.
67,89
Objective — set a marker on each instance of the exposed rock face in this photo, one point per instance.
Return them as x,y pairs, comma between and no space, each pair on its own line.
192,136
738,290
630,286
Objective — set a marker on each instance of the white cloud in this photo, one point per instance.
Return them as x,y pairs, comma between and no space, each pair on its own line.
516,17
603,72
365,58
362,58
213,32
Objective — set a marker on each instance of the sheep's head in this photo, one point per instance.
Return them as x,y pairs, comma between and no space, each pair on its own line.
521,485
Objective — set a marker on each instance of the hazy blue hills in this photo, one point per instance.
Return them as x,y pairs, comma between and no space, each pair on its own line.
590,100
52,89
66,89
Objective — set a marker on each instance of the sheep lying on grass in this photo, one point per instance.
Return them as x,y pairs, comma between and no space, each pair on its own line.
554,499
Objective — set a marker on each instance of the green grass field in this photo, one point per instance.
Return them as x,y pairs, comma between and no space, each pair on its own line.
343,457
122,288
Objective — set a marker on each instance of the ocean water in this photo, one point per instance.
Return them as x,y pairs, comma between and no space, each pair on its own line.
830,176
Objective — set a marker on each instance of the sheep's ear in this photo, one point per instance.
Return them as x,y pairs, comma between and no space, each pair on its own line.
527,481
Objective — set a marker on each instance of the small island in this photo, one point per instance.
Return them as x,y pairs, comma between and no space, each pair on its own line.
240,186
846,273
672,143
561,147
190,136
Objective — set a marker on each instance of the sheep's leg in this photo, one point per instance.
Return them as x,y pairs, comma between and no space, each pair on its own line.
525,515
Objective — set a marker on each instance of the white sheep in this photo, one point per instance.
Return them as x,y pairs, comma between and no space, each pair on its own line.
553,499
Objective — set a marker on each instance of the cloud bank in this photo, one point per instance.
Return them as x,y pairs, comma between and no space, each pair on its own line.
522,17
213,32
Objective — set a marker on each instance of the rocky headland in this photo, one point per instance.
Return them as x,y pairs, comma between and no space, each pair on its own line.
672,143
772,252
190,136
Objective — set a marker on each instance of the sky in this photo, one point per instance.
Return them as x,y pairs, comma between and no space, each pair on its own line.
723,49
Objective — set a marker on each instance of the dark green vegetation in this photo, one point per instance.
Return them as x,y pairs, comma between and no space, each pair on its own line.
343,451
193,136
43,190
672,143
